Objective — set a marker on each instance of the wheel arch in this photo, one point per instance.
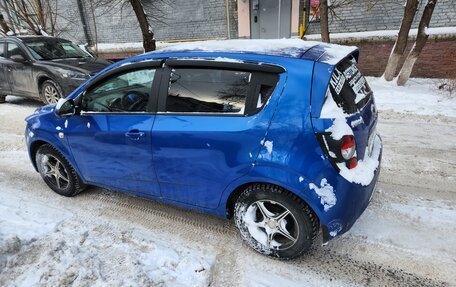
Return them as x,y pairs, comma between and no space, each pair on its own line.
34,146
294,184
236,192
41,79
40,141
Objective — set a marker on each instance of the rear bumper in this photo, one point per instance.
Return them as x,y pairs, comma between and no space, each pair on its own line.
352,201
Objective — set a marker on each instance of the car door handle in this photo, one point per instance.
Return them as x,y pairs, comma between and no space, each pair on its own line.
135,135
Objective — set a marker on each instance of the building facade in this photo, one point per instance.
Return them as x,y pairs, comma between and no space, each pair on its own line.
186,20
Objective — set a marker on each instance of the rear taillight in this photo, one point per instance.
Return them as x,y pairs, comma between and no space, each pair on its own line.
348,147
353,163
341,151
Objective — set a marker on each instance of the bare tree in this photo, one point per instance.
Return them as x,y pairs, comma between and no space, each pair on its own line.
401,42
146,29
420,42
324,25
36,16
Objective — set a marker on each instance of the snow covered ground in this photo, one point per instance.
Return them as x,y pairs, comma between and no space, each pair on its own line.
420,97
406,237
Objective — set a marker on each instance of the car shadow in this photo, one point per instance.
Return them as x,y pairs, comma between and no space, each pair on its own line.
22,101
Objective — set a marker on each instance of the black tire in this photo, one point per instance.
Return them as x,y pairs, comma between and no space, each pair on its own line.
50,92
2,99
69,184
301,223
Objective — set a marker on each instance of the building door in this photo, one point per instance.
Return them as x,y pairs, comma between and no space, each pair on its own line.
270,19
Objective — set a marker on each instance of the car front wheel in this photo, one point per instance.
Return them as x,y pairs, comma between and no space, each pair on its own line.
50,92
57,172
274,221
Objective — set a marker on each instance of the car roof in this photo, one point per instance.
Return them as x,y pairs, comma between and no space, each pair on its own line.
30,38
291,48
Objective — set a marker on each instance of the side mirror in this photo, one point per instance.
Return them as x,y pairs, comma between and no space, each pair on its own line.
18,58
65,108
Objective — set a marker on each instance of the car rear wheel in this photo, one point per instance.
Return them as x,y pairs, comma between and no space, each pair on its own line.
274,221
2,99
50,92
57,172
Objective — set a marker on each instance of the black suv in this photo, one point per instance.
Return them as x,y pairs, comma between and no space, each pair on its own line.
43,67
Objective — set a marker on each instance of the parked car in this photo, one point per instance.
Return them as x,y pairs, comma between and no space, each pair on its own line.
279,135
45,68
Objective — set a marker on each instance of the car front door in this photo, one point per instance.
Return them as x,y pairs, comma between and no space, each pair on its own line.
111,139
19,72
4,84
209,128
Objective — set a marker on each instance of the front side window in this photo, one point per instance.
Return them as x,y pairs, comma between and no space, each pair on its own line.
127,92
14,50
207,91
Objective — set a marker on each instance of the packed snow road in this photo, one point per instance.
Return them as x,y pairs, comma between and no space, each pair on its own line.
406,237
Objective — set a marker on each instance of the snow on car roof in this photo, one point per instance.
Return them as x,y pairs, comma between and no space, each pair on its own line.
330,53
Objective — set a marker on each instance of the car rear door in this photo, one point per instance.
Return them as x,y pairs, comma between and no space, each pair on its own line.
211,120
20,74
4,84
111,139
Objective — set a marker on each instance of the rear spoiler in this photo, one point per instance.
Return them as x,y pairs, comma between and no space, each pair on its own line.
331,54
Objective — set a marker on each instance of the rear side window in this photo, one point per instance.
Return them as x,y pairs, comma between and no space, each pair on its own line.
208,91
2,49
349,87
14,49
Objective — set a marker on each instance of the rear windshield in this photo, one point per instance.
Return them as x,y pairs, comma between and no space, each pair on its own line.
349,87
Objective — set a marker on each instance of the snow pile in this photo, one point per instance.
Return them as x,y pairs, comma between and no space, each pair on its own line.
418,96
41,245
335,53
288,47
326,193
257,233
330,109
339,129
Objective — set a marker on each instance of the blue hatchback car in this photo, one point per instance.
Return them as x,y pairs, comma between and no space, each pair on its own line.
278,134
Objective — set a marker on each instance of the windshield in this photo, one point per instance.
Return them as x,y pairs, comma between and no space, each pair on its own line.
50,50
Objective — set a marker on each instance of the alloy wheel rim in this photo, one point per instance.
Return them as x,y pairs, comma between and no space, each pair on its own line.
51,94
55,171
272,224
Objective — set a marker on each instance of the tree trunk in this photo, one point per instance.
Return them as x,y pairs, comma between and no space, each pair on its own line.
401,41
3,24
324,26
420,42
40,15
148,35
